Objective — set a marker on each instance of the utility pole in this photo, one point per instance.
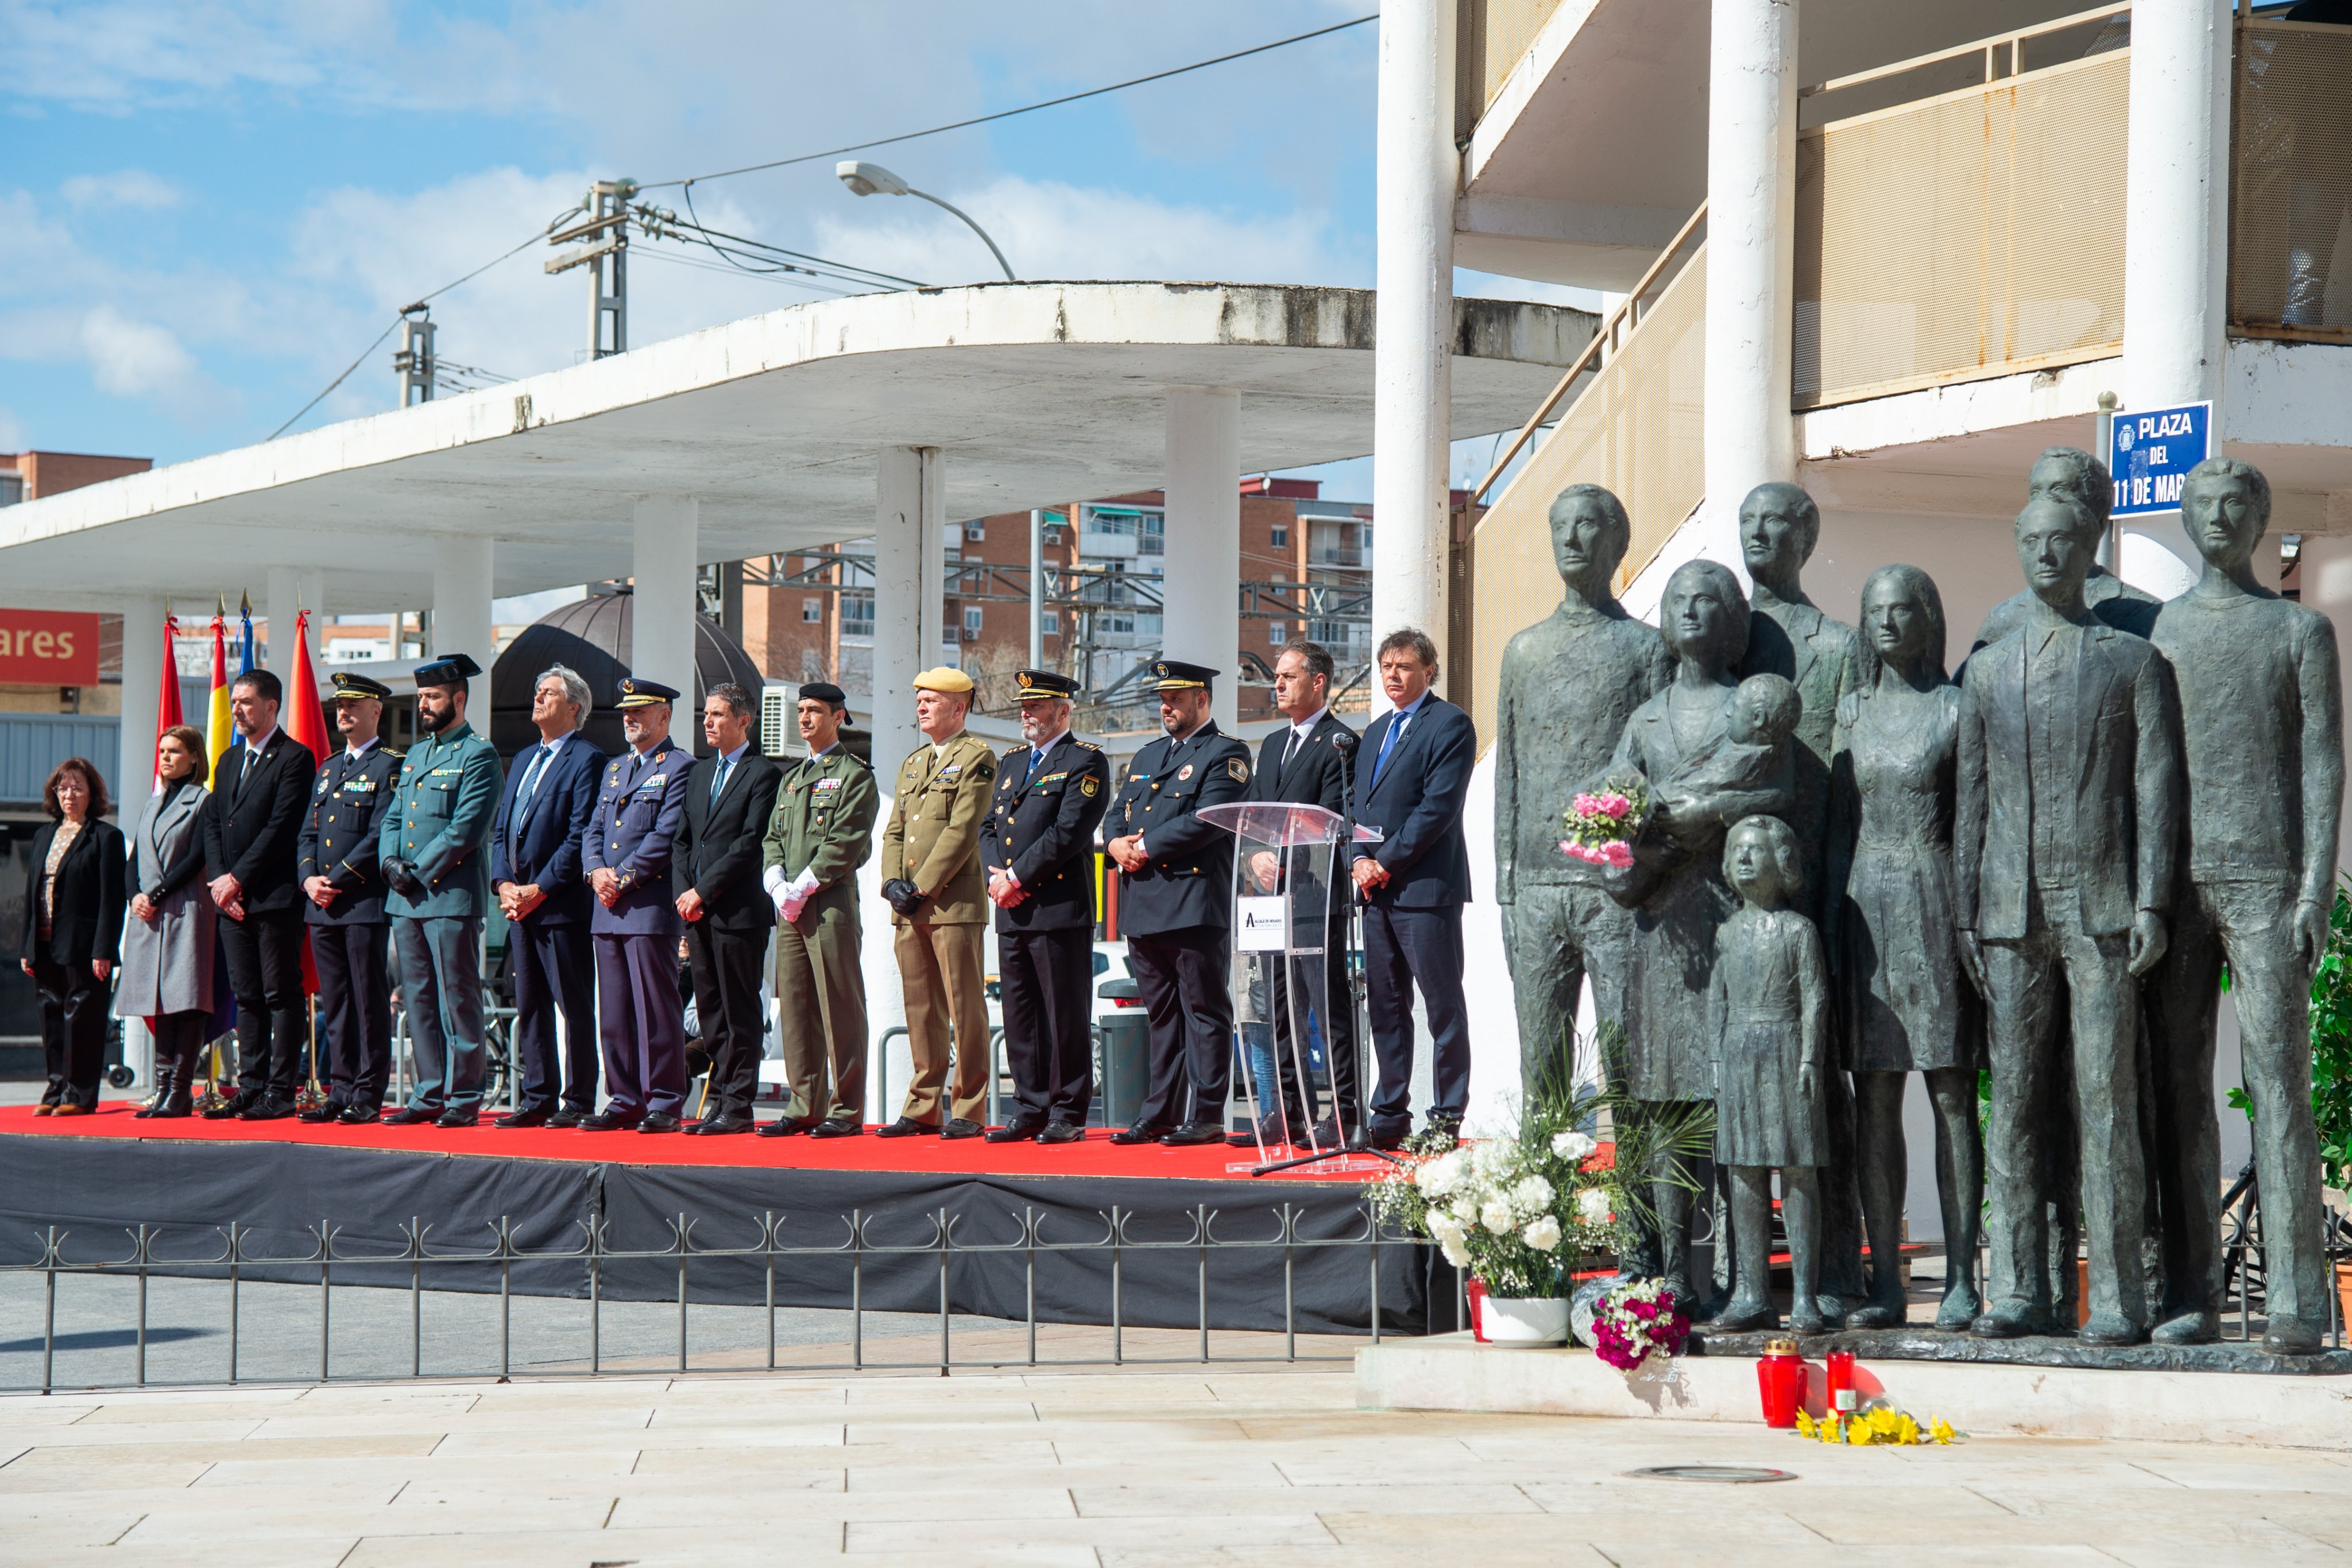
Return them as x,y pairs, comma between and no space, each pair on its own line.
606,228
414,363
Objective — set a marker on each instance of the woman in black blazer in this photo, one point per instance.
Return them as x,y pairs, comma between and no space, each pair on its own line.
73,933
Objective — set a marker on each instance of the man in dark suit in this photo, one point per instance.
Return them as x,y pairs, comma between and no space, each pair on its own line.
1311,762
343,893
1414,881
253,830
542,890
730,796
1176,907
2064,845
1038,845
628,847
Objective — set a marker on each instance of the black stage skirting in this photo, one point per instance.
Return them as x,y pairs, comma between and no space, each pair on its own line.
1008,1234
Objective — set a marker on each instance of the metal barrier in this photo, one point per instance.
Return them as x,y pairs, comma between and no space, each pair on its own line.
235,1257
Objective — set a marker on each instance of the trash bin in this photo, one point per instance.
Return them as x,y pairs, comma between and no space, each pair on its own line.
1122,1053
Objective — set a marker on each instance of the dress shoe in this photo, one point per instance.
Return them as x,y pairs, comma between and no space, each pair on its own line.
2005,1321
45,1109
222,1108
658,1122
535,1117
2289,1337
1192,1132
837,1127
324,1111
565,1117
958,1128
608,1122
1390,1137
1141,1133
908,1127
788,1126
457,1119
1063,1133
172,1110
142,1113
268,1108
1267,1131
722,1126
361,1115
2110,1329
1327,1135
412,1116
70,1109
1015,1132
2189,1328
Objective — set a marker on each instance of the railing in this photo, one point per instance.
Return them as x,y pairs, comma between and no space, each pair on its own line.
1491,36
861,1252
1970,233
2291,183
1635,427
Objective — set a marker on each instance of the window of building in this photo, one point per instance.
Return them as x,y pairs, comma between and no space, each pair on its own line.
12,487
1051,622
1276,634
858,615
971,622
1281,536
812,610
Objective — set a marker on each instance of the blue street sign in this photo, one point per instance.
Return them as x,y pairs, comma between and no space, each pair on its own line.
2151,453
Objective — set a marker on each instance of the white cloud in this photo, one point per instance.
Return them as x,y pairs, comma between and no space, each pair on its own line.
133,188
136,359
12,430
1053,231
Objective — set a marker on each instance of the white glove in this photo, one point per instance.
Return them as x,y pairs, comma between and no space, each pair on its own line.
773,880
803,884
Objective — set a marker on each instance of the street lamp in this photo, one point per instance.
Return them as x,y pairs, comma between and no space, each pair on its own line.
867,179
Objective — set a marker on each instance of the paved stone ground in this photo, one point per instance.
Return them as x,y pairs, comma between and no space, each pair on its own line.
1125,1468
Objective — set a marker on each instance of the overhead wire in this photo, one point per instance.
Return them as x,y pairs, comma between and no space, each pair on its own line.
689,179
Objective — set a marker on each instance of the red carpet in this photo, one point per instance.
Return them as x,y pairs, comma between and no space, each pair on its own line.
1097,1156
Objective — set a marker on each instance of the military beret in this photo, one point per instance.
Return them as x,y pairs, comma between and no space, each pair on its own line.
449,670
824,692
350,687
942,679
1044,685
638,691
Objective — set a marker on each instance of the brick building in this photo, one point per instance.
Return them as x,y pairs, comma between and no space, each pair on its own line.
28,477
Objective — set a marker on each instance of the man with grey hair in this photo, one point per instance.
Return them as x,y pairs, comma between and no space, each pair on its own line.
535,871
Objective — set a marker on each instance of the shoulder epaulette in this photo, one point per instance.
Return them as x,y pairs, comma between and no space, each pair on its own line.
1087,745
395,753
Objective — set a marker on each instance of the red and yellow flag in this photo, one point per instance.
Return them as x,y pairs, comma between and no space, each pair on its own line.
219,736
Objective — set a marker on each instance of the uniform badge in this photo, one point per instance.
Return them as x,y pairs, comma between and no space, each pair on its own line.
320,787
1239,769
1183,773
1089,786
654,782
983,771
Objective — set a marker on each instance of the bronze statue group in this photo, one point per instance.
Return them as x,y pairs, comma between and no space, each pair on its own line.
2036,867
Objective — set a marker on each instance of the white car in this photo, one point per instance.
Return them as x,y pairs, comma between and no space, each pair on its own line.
1110,964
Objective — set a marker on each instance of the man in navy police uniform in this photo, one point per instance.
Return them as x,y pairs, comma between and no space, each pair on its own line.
1176,907
1037,843
1412,776
344,889
636,926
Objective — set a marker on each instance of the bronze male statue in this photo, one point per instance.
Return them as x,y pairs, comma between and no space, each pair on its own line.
1568,684
2263,726
2071,472
2064,852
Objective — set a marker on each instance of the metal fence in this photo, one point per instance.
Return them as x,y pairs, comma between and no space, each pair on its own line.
234,1258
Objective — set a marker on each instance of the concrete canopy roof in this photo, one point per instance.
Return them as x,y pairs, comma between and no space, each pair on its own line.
1038,393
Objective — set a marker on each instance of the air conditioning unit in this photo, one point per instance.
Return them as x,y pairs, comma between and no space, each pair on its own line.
779,721
972,633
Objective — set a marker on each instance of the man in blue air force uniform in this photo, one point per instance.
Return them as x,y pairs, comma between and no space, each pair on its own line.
636,924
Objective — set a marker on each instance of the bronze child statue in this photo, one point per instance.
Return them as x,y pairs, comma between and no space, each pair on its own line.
1769,1011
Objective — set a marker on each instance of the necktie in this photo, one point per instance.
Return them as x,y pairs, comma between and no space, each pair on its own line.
1292,749
1388,744
1036,760
538,765
719,779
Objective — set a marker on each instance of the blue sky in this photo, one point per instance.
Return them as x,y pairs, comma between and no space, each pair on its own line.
211,207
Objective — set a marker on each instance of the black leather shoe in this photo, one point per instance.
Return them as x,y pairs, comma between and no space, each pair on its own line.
837,1127
1015,1132
411,1116
1271,1132
788,1126
268,1108
361,1115
324,1111
607,1121
536,1117
1063,1133
1141,1133
658,1122
908,1127
566,1118
221,1109
958,1128
1192,1132
722,1126
1385,1137
170,1110
457,1119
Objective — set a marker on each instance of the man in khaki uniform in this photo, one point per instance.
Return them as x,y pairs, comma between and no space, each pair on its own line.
931,875
822,832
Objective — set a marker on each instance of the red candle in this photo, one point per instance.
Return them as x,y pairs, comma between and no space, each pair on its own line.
1781,1380
1841,1374
1475,1290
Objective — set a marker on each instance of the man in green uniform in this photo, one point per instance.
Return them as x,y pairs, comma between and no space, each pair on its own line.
432,851
931,875
822,832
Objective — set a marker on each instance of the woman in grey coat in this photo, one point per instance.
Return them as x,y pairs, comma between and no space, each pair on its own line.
167,946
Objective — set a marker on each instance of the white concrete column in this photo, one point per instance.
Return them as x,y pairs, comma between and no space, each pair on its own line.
2177,223
910,581
1200,619
1412,399
142,689
1036,589
933,605
461,613
1751,206
661,620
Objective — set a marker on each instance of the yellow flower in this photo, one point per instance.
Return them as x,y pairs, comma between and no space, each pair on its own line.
1804,1423
1940,1430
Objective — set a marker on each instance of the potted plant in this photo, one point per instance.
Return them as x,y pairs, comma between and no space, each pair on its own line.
1523,1213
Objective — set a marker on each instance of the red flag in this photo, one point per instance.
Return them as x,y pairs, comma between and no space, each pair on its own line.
306,721
167,695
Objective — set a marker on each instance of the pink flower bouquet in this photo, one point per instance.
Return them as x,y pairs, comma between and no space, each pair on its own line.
1602,821
1633,1321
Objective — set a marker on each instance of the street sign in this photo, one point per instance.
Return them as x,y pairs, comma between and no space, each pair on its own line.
47,648
2150,454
